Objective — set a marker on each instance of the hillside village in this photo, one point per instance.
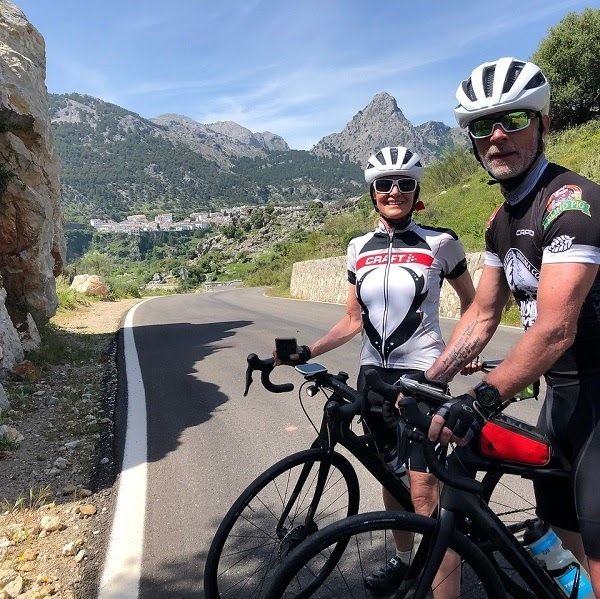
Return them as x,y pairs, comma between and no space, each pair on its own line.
138,223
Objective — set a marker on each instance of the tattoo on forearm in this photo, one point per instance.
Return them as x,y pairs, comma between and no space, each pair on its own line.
464,348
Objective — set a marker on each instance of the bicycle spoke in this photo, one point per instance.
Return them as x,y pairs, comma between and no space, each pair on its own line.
259,537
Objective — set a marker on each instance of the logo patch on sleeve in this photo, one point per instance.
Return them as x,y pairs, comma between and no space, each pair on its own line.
560,244
568,197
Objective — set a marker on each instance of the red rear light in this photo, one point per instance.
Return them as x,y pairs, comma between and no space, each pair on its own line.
511,440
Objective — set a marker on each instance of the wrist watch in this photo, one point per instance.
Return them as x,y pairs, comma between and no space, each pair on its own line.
487,395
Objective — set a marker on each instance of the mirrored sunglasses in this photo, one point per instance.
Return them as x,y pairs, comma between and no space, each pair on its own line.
510,122
405,185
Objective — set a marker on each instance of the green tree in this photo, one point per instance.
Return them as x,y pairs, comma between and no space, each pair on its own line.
95,263
570,57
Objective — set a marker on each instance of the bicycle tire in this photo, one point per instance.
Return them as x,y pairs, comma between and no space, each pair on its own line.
367,536
237,566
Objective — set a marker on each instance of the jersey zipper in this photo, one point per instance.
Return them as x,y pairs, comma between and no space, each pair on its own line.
386,298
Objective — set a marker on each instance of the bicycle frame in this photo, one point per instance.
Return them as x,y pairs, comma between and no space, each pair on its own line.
470,513
334,431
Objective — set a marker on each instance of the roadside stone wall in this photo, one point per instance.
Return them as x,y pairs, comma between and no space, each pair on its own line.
326,280
322,280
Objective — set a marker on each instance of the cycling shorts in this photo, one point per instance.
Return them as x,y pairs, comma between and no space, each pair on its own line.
570,417
385,438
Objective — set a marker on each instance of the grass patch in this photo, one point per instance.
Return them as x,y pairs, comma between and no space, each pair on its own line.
54,349
67,298
511,317
19,395
8,444
37,497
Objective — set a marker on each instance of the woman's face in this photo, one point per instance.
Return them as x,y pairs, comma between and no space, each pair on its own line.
395,204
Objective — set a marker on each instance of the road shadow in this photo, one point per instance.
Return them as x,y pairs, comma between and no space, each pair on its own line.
172,380
176,578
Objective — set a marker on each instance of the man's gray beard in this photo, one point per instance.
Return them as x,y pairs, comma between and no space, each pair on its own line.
533,152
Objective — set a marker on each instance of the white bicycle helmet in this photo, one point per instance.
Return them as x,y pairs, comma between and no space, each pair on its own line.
503,84
394,161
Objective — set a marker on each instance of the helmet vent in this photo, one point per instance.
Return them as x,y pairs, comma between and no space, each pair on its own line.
394,154
536,81
488,80
380,157
512,75
468,89
407,156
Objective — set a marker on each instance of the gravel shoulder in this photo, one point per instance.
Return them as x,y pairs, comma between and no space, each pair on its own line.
56,483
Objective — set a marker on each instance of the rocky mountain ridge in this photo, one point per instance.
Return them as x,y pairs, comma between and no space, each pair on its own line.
381,123
221,141
116,162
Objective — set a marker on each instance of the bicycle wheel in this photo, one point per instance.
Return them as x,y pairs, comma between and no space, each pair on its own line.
310,570
270,518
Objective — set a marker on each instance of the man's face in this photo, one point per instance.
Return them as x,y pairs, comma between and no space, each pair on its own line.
508,155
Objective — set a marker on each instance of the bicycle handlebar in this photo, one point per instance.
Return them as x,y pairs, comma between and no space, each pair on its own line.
488,365
428,394
332,381
266,366
416,418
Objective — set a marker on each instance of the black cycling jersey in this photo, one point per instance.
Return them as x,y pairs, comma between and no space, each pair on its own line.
558,221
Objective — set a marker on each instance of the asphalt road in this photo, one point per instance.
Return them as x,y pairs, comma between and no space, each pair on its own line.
205,441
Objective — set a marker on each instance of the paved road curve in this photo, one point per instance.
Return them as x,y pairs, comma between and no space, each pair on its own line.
205,441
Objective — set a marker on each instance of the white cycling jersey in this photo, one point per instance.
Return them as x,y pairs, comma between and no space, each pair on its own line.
398,276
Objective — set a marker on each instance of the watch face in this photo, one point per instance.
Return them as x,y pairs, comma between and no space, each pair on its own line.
487,395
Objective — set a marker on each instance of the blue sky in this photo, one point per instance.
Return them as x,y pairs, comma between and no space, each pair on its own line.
299,69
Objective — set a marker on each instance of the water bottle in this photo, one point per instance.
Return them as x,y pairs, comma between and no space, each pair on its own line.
397,466
545,546
402,474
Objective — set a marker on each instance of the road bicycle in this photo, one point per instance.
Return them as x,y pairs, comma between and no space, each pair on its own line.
298,495
494,562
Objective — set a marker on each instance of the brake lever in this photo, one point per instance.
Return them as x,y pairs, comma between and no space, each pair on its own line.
249,380
253,361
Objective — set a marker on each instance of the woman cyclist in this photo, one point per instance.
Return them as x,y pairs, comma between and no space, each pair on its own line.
394,278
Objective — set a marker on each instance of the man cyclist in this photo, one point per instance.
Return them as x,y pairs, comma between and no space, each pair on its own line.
543,245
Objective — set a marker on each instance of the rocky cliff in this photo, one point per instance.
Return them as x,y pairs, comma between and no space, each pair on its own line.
381,123
31,233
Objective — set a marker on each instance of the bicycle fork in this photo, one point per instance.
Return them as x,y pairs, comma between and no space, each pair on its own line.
309,526
431,552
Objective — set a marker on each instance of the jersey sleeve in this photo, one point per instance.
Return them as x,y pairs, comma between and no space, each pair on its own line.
570,225
452,258
491,256
351,263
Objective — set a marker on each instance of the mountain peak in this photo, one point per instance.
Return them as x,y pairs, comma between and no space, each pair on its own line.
383,99
379,124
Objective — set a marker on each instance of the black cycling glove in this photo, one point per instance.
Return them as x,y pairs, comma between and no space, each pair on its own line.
303,353
461,417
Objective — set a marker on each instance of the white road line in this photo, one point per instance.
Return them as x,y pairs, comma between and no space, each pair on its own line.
123,565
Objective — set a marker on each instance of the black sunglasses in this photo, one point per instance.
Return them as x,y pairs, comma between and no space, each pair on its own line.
405,185
509,121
